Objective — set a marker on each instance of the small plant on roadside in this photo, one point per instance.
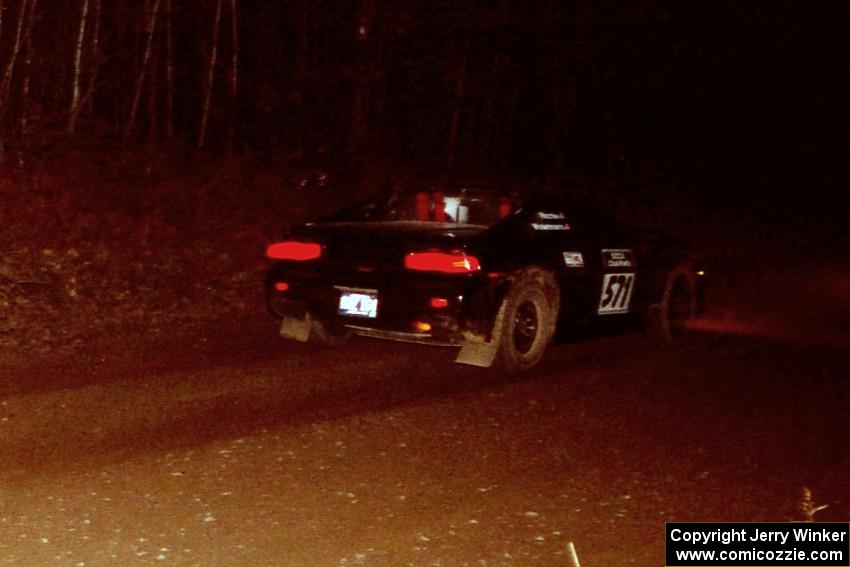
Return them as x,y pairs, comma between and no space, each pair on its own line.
808,507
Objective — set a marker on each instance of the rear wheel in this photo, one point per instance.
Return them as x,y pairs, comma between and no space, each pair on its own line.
678,305
526,321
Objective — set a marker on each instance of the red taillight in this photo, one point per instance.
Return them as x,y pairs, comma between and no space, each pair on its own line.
439,302
294,250
281,286
449,263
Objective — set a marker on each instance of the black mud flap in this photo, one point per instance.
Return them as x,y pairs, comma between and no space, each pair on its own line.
296,329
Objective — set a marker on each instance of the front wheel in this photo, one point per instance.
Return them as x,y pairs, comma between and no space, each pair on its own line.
678,305
526,321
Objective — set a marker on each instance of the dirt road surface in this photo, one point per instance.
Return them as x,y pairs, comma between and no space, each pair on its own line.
227,446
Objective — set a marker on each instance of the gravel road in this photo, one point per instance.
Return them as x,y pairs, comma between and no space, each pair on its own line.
228,446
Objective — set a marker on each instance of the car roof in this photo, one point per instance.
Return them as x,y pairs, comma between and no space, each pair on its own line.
521,191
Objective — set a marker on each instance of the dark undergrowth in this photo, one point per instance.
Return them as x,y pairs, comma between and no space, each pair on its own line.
99,245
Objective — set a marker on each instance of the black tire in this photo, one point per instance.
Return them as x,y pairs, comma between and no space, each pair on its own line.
678,305
328,334
526,321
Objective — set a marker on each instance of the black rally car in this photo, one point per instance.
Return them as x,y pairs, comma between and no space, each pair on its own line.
490,272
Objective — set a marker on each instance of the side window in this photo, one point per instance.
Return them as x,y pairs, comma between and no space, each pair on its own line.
451,207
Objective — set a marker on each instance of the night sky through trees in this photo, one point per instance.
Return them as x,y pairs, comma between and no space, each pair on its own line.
737,105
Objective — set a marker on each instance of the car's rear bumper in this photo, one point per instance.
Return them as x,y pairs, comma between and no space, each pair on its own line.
405,309
443,329
404,337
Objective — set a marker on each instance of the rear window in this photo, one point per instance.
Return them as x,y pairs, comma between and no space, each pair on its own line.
461,208
456,207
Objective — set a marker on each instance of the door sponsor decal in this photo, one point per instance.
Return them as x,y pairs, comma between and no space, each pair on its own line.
618,258
573,259
616,293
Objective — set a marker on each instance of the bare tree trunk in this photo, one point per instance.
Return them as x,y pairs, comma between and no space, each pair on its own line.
25,86
507,136
169,73
361,75
357,111
234,76
6,83
490,119
301,75
2,147
460,92
78,61
141,79
379,88
94,59
23,111
152,96
202,133
556,115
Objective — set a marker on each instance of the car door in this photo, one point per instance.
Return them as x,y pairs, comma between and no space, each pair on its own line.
610,262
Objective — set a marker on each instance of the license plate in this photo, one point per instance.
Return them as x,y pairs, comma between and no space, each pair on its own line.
358,302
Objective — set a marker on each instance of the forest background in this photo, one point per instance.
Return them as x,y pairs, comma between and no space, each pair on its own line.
149,149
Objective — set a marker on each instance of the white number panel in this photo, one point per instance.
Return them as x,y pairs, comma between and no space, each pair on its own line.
616,293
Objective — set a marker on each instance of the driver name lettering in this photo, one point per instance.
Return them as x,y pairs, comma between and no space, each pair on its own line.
558,226
551,216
